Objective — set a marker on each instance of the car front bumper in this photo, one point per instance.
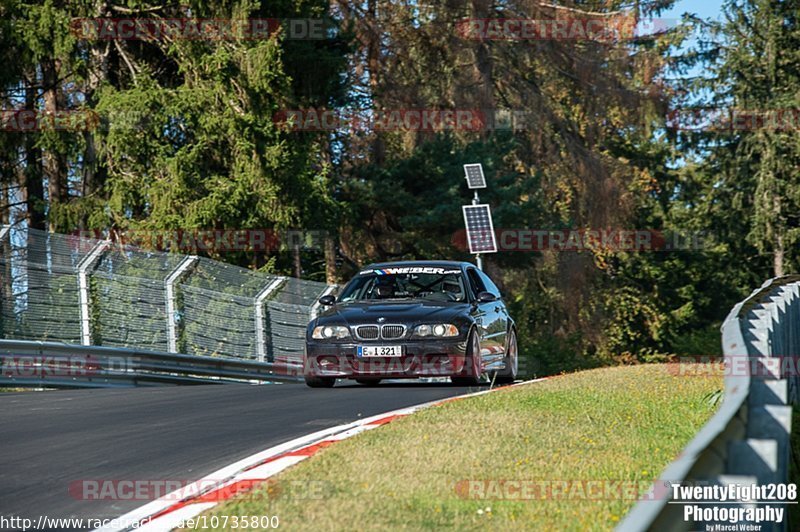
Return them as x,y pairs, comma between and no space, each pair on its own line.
424,358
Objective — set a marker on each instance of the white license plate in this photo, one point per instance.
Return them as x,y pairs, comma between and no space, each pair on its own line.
380,350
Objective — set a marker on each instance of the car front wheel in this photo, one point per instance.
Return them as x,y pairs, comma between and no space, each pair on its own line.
474,359
509,373
320,382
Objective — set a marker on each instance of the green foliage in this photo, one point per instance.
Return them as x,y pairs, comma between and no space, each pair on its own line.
745,174
188,141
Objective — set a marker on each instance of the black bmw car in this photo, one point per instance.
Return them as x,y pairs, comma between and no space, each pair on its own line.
409,320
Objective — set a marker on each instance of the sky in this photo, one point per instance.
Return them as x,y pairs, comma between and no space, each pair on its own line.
703,8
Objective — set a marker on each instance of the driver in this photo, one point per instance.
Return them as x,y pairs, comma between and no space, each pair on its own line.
452,287
384,288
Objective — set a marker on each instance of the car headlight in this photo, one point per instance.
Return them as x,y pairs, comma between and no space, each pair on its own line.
327,332
441,330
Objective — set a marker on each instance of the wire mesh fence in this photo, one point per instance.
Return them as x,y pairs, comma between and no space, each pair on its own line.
81,290
130,298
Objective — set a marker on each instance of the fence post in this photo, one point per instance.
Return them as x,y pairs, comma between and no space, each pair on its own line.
261,341
83,288
169,285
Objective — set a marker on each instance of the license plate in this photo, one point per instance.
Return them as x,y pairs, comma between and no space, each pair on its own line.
380,350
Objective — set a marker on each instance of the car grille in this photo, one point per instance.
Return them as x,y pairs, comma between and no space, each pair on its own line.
391,332
386,332
367,332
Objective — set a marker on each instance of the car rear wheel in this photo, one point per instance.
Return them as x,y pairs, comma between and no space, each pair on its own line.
474,359
509,374
320,382
369,382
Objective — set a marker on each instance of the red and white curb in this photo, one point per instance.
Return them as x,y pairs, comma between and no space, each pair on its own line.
171,510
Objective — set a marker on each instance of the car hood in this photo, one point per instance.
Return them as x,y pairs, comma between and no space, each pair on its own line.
403,311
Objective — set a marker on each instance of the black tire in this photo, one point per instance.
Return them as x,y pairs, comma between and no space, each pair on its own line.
473,350
509,374
320,382
369,382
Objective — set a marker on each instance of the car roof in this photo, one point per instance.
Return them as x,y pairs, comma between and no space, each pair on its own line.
419,263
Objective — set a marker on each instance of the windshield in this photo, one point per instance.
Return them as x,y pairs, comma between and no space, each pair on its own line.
435,284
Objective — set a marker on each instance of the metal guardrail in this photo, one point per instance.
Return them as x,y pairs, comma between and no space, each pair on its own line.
77,289
56,365
747,441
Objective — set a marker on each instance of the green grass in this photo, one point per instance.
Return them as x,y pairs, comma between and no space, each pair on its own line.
614,424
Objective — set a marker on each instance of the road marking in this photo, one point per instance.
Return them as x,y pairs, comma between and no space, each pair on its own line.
164,514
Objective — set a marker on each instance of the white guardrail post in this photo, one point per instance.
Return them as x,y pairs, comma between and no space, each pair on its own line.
83,288
261,339
169,285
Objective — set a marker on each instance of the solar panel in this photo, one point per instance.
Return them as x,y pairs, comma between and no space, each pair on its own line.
480,231
474,174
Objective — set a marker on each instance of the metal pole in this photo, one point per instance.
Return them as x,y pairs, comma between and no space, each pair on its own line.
478,260
169,285
261,341
83,288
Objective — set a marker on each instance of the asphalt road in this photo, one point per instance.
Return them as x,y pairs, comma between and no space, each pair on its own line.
50,439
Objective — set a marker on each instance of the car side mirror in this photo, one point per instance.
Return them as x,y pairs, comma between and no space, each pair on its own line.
327,300
486,297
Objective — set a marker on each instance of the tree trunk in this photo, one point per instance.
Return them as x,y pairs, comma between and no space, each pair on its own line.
374,66
32,186
94,173
330,259
483,70
6,297
298,266
778,256
55,162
